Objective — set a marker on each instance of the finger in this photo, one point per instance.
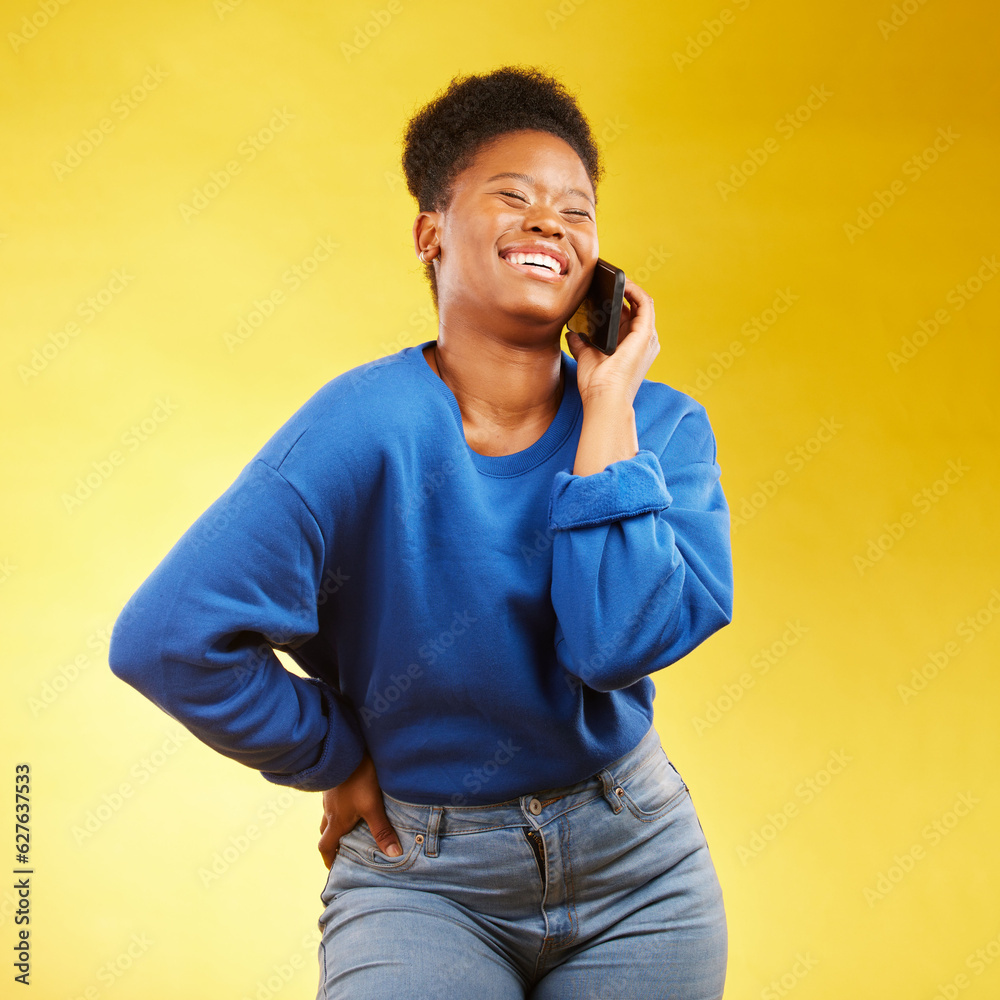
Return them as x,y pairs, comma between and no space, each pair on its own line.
382,831
625,320
638,297
634,286
642,315
327,850
576,343
329,842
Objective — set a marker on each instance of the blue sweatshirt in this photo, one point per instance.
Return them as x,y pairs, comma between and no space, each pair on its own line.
484,625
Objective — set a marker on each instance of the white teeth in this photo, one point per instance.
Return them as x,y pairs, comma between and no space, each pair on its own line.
542,259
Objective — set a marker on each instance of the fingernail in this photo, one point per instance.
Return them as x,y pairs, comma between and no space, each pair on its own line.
394,851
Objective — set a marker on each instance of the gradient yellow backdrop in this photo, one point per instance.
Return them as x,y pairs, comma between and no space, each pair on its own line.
810,194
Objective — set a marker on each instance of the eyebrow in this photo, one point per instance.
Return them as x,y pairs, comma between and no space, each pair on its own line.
531,180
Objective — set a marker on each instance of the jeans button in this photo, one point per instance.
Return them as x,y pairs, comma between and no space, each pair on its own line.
534,807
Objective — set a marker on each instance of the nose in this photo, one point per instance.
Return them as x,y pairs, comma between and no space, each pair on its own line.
543,218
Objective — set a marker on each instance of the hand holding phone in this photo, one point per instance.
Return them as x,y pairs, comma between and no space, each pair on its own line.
599,315
635,347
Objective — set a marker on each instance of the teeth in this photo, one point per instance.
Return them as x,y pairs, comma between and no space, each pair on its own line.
541,259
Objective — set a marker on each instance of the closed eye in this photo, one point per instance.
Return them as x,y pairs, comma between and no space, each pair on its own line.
570,211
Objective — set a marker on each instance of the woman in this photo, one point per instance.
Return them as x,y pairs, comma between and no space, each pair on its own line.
478,549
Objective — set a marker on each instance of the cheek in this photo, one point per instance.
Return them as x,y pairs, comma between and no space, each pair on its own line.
481,234
589,251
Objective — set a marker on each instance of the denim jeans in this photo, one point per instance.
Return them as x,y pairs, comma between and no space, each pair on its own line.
602,889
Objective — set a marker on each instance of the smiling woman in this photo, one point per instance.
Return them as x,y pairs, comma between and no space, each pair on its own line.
521,537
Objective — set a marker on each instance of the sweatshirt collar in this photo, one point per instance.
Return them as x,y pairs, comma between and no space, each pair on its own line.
520,462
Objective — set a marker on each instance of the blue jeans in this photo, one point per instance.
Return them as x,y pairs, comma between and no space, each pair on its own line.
602,889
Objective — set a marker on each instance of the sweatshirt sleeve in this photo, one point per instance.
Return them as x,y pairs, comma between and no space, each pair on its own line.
641,560
197,637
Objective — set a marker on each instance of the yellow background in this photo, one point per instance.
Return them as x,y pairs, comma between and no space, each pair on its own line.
800,920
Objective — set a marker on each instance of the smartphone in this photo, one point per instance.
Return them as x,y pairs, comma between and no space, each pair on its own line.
599,314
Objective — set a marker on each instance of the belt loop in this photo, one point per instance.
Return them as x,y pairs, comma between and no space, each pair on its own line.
609,783
431,841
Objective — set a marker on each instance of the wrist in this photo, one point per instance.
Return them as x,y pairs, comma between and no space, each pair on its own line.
608,398
608,434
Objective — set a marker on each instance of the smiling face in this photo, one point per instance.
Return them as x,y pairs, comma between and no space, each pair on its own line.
529,192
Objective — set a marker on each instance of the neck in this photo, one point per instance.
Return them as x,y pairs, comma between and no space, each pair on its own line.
501,388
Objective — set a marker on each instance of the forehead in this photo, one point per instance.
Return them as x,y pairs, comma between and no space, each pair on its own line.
548,160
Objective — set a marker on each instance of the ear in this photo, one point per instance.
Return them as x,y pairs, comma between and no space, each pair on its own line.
426,231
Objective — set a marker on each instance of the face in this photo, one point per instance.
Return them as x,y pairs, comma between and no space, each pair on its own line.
550,202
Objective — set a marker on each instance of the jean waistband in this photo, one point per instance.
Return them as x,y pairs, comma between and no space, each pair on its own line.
531,809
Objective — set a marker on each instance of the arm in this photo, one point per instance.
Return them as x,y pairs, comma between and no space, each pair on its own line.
197,637
607,434
641,559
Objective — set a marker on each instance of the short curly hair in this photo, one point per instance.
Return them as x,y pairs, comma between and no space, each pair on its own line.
443,137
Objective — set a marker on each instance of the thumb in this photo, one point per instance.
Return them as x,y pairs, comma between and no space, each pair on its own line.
382,831
574,342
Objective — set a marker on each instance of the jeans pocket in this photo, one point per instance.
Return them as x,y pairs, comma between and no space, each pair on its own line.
359,845
653,787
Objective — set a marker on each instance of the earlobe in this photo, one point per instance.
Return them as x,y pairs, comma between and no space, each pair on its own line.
429,253
426,237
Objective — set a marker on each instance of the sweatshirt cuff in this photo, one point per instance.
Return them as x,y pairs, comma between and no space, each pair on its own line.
342,750
622,489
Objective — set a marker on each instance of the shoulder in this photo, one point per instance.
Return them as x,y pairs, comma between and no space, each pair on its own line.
350,418
670,421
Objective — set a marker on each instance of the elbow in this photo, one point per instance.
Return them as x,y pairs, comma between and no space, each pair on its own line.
129,650
605,669
704,607
711,618
122,659
596,666
725,606
611,661
717,621
695,626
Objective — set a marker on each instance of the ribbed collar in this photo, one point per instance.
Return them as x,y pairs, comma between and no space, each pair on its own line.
520,462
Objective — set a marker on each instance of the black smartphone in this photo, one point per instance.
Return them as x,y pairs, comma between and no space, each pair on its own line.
599,314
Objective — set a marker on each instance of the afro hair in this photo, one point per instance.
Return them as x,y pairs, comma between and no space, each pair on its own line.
444,136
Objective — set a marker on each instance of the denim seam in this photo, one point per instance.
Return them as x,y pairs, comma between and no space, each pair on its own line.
650,817
570,887
402,864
